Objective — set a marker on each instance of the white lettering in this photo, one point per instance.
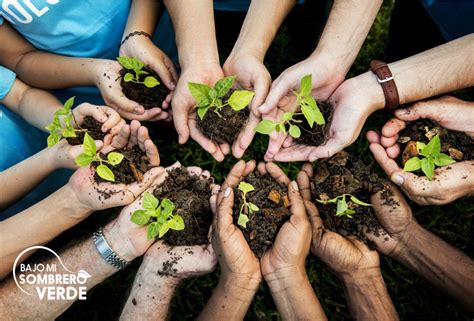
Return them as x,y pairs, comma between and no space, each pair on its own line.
36,11
14,3
41,292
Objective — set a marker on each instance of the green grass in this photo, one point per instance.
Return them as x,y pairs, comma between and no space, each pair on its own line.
414,298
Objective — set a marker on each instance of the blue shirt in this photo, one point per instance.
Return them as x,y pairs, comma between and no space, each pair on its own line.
7,78
454,18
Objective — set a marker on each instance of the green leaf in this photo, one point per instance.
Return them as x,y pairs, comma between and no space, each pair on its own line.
413,164
342,206
246,187
69,132
240,99
105,172
151,82
306,85
433,147
334,200
167,207
69,103
128,77
126,62
223,86
213,93
200,92
51,127
295,131
280,128
163,230
309,114
265,127
420,146
243,220
114,158
318,117
252,207
83,160
310,101
287,116
62,112
201,111
53,139
358,201
89,145
176,223
427,166
152,230
349,213
140,217
137,65
150,202
443,160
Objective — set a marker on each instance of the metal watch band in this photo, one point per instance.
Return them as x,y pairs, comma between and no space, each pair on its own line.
106,251
386,80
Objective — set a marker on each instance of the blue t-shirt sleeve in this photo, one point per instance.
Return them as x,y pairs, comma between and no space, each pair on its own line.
7,78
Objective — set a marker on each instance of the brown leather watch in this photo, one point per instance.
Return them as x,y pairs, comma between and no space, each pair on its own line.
386,80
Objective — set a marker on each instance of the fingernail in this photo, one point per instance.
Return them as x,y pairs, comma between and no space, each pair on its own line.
139,110
227,192
295,186
172,85
403,111
398,179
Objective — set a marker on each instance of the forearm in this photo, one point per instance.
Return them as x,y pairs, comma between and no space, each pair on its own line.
444,266
346,29
143,16
260,26
294,297
15,305
149,299
231,298
193,23
367,296
24,176
38,225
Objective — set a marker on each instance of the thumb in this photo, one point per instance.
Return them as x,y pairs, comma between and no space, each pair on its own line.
332,147
180,118
280,88
422,109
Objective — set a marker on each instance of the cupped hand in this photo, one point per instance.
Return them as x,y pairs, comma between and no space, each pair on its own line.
251,74
184,114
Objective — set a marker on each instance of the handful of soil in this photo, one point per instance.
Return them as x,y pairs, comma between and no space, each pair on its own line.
94,129
317,135
224,126
190,195
147,97
272,200
134,164
345,174
455,144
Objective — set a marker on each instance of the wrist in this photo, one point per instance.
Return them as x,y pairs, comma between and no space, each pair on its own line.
365,88
361,276
120,242
243,282
407,240
283,279
72,207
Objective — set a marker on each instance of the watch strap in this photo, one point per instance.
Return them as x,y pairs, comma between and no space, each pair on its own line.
387,81
106,251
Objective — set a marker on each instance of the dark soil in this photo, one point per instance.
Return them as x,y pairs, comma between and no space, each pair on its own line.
190,195
92,126
317,135
147,97
131,169
345,174
225,126
263,225
455,144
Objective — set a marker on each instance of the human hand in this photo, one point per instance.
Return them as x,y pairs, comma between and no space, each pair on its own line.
352,103
448,184
184,114
251,74
106,77
280,99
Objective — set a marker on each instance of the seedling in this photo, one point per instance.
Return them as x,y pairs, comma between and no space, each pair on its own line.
134,67
309,109
158,217
212,98
89,156
247,208
432,156
342,208
57,130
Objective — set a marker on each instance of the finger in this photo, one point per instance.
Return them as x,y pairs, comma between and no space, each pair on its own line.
288,141
373,137
245,137
414,185
142,136
280,88
422,109
275,142
112,119
120,141
261,168
332,147
393,151
304,185
225,148
174,74
213,200
180,118
152,153
224,210
315,221
164,72
308,168
119,101
194,170
116,129
134,127
233,178
208,145
261,88
295,153
392,127
298,211
388,165
277,173
97,112
388,141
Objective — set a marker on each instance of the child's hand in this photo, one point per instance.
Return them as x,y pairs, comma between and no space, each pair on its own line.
109,118
63,155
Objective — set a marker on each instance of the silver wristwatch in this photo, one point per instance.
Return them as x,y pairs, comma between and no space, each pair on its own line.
106,251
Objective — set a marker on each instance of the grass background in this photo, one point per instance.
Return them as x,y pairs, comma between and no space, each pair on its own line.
414,298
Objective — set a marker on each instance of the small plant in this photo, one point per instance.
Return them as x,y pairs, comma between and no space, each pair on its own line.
89,156
135,66
158,217
309,109
56,129
432,156
212,98
247,208
342,208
